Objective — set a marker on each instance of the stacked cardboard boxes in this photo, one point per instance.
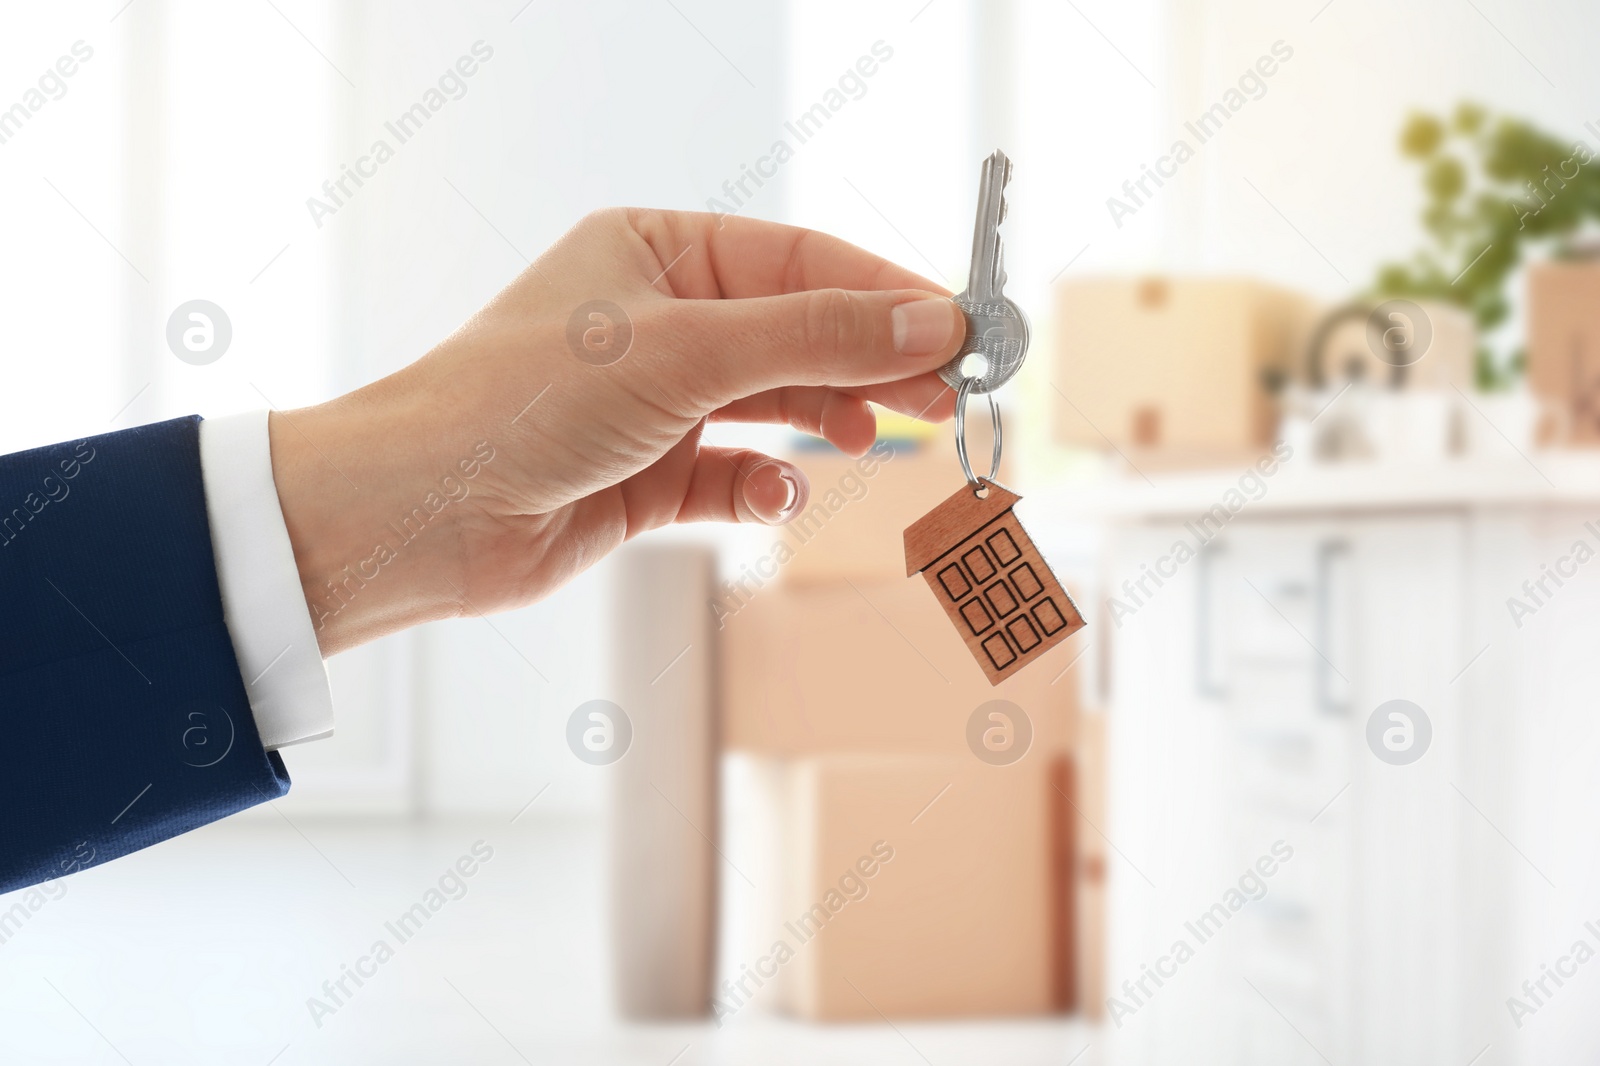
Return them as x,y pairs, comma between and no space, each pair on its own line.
848,701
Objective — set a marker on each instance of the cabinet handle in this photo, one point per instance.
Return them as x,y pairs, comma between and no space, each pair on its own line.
1209,681
1332,689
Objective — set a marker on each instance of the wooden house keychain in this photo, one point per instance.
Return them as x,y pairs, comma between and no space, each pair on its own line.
981,565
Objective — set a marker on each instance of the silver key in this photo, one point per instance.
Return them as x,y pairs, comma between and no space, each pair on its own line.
996,327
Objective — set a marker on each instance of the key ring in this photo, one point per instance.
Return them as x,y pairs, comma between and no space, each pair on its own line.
961,433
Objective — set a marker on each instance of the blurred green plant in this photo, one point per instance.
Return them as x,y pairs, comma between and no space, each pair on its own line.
1494,186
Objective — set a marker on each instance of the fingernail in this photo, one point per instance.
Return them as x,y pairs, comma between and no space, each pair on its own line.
791,489
775,492
925,326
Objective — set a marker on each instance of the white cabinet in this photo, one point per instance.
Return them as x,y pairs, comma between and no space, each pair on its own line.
1418,896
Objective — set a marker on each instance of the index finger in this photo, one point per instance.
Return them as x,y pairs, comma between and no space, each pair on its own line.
749,257
752,257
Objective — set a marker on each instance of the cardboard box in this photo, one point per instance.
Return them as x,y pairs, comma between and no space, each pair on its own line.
907,887
1091,856
1065,823
1173,363
871,666
1564,345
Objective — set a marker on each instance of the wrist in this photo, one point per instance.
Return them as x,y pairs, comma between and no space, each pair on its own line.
370,523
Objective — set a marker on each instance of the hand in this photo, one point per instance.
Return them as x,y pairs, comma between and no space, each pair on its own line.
501,464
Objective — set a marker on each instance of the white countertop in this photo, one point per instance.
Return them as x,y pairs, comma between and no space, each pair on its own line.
1544,478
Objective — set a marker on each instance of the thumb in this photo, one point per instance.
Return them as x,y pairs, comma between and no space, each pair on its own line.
837,337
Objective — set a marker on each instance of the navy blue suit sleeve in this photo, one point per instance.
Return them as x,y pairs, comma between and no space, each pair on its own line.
123,718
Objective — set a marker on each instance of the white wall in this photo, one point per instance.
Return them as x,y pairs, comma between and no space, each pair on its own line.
1322,143
60,284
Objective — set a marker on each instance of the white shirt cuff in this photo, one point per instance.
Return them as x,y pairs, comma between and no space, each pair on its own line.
262,601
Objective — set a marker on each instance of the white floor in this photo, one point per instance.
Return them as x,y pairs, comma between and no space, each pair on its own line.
207,949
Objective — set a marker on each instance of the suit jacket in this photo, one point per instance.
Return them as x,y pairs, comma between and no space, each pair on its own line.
123,716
